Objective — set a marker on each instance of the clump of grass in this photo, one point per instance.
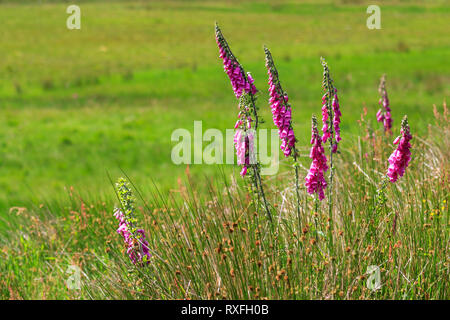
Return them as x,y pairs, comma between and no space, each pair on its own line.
216,245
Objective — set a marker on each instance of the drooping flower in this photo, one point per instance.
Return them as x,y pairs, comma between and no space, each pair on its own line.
250,84
326,132
136,244
331,111
336,117
281,109
137,247
384,113
240,81
315,180
243,141
400,158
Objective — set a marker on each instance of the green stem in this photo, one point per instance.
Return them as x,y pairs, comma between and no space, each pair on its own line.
255,167
330,200
379,204
316,212
297,192
266,206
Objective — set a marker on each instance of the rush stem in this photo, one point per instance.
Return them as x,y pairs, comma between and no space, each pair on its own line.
255,167
297,192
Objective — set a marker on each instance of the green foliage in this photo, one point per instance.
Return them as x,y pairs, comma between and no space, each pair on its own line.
126,201
215,245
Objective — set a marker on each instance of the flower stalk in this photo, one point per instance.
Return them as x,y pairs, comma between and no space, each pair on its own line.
315,179
245,91
331,118
136,245
282,119
384,113
398,161
400,158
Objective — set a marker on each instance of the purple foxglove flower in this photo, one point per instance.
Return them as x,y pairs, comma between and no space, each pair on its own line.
384,113
244,90
281,109
136,245
315,180
336,117
239,80
243,143
400,158
331,114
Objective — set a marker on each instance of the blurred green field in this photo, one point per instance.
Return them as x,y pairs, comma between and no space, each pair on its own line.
76,104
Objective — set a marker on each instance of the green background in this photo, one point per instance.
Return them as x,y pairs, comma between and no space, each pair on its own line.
78,104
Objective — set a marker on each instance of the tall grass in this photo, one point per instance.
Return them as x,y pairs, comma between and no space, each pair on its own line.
214,244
